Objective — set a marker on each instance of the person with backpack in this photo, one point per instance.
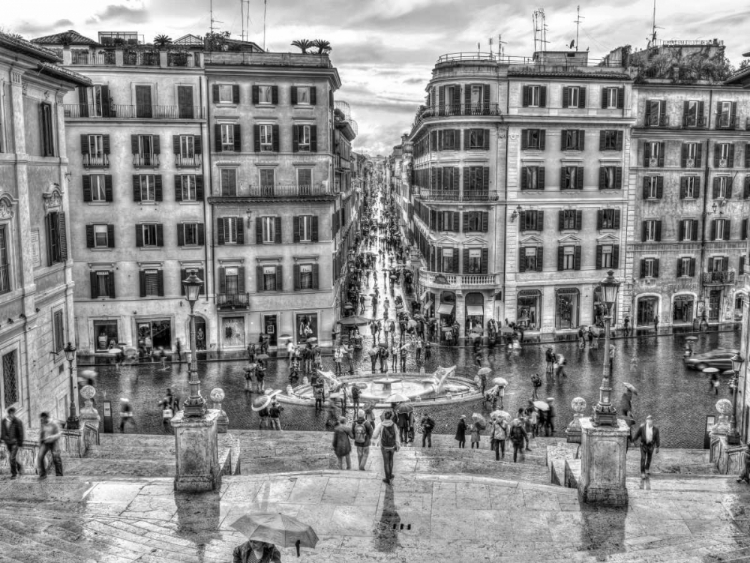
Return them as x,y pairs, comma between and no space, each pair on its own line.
362,432
383,355
498,436
518,436
169,407
389,444
536,383
427,426
275,414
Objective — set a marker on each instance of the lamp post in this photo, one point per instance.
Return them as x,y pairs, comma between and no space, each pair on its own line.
195,405
70,355
604,413
733,438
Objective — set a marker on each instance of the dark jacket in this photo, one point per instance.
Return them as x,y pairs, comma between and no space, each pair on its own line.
12,433
242,554
342,436
518,435
461,431
427,425
641,433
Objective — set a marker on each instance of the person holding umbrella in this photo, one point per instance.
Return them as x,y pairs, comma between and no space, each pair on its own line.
260,372
266,530
342,446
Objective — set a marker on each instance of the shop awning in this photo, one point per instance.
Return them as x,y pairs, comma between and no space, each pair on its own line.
445,309
475,310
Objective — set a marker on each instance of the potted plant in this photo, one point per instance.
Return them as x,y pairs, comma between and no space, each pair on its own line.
323,46
161,41
303,45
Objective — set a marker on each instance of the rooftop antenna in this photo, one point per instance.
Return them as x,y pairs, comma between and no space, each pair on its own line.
245,16
540,30
654,27
213,21
490,46
578,23
500,45
265,9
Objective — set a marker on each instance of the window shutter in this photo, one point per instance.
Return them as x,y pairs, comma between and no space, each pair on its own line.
602,136
277,220
560,258
717,155
565,97
158,193
564,140
577,258
618,177
644,231
455,260
524,139
598,256
713,229
110,236
747,155
258,279
579,219
296,275
108,188
314,228
539,258
201,234
660,187
279,279
602,178
89,236
256,138
698,155
256,95
138,236
681,234
485,221
314,138
645,187
656,268
730,156
616,256
683,187
697,189
692,267
86,188
746,191
160,235
542,139
540,220
237,138
658,230
561,220
695,229
733,116
313,96
466,261
579,177
524,178
295,138
175,144
439,265
217,138
181,234
215,93
603,96
456,217
683,154
485,178
142,283
643,268
220,234
275,138
199,187
465,227
582,97
84,144
134,144
743,234
259,230
646,154
526,95
485,260
716,188
160,282
542,96
156,144
727,229
197,144
522,220
540,177
294,95
618,141
275,95
240,230
599,219
94,285
581,139
222,279
680,271
521,260
295,223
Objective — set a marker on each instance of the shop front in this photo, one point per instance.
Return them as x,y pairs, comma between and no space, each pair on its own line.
474,303
682,309
307,326
154,333
647,309
567,304
105,333
529,309
600,309
233,332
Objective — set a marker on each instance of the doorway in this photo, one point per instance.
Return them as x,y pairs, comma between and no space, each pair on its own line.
714,305
648,308
269,324
185,102
143,107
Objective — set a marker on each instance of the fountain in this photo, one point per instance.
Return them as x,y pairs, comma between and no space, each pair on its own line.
387,383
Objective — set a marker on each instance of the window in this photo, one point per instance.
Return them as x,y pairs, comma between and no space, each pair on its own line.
476,179
477,96
48,132
574,97
535,96
720,229
724,154
686,267
532,220
267,181
572,178
718,264
186,146
226,94
10,379
475,221
610,178
570,219
607,254
656,113
306,228
650,268
266,138
653,187
691,155
478,139
610,140
269,229
98,184
475,261
304,181
57,236
608,219
102,284
531,259
147,187
532,178
303,95
95,148
448,257
145,148
651,231
152,283
573,139
693,114
722,187
58,331
100,236
4,261
149,235
227,136
568,257
533,139
304,137
231,230
653,154
567,308
192,234
269,278
690,187
306,276
725,114
232,280
689,230
611,98
189,191
265,94
228,181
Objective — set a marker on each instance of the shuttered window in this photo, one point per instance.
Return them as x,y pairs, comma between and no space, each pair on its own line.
57,239
532,177
573,139
571,178
102,284
228,182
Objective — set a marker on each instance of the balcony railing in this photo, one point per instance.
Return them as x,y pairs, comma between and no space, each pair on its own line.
718,278
140,58
232,300
280,191
456,195
146,160
458,280
469,109
91,161
722,122
105,58
658,121
116,111
189,161
699,122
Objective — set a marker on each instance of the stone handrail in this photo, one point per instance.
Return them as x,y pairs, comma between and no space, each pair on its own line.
90,437
27,457
460,279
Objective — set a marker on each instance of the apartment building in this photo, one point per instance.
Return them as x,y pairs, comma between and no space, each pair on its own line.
36,267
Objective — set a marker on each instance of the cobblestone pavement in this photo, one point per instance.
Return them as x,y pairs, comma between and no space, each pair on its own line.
678,398
421,518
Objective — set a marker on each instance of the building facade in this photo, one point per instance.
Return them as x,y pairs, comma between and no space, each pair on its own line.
36,266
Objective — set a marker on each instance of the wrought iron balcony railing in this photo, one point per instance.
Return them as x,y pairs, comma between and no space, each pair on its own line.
117,111
146,160
457,195
92,161
718,278
232,300
188,161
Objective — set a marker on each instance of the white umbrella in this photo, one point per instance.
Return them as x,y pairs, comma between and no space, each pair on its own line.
500,381
541,405
397,398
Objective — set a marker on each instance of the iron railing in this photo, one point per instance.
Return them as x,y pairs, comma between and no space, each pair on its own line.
118,111
232,300
718,278
457,195
91,161
103,58
189,161
146,160
140,58
284,190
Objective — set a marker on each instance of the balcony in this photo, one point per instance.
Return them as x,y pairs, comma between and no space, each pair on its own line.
140,58
457,281
277,192
457,110
189,161
231,301
657,121
146,160
469,56
457,195
718,278
693,122
91,161
85,58
117,111
726,122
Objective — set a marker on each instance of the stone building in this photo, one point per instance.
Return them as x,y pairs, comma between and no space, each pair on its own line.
136,139
36,267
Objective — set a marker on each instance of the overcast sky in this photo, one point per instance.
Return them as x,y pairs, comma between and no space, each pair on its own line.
385,49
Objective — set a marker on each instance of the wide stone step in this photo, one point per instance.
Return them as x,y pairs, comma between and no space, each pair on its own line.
130,452
107,467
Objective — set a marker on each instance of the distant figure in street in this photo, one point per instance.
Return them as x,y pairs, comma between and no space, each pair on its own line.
713,384
461,431
656,324
126,414
12,436
475,434
362,431
275,414
169,406
252,551
626,323
549,356
427,426
518,436
536,383
49,437
649,436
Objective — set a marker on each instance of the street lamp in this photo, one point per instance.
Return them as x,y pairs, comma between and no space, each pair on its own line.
195,405
70,355
604,413
733,438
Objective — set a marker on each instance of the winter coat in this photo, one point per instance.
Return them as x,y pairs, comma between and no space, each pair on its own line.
12,432
342,436
461,431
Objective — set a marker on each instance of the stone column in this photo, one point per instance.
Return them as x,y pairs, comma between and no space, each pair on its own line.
603,468
197,452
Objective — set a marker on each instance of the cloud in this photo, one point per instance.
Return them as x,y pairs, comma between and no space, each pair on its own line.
36,29
119,13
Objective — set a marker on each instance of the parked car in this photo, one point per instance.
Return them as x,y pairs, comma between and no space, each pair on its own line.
720,358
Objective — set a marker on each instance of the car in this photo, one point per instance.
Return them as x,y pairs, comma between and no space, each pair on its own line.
720,358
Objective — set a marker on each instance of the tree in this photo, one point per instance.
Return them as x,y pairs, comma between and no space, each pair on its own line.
302,44
216,41
162,41
323,46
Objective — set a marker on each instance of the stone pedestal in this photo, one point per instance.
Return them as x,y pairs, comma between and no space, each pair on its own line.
197,452
603,467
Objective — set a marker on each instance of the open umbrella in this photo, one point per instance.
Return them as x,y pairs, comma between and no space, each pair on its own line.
692,338
260,403
404,407
262,356
89,373
500,381
711,370
500,414
506,330
277,529
480,420
484,371
354,320
311,340
285,335
397,398
541,405
250,367
114,350
373,351
412,323
631,387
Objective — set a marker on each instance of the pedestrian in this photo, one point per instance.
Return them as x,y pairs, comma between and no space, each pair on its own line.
401,416
169,406
275,414
581,339
338,356
713,384
518,436
404,354
374,352
427,350
342,446
549,356
163,358
362,432
49,437
499,435
126,414
649,435
260,375
264,415
418,344
626,324
549,427
592,338
249,372
461,431
656,324
427,426
475,432
559,366
256,551
394,359
534,422
11,434
536,383
389,444
318,394
745,474
355,397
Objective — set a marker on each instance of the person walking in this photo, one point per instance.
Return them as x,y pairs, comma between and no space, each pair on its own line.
342,446
260,375
745,474
169,406
536,383
656,325
649,436
404,352
318,393
499,435
362,432
275,414
355,397
126,414
581,338
11,434
518,436
338,357
49,437
253,551
401,416
713,384
427,426
389,444
475,432
427,350
394,359
461,431
549,356
418,344
549,426
374,352
626,325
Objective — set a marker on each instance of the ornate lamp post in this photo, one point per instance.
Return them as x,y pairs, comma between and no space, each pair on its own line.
604,413
195,405
733,437
70,355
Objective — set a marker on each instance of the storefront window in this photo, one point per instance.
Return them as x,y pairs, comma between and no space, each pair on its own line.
104,333
155,334
474,312
682,310
529,309
233,331
566,314
600,309
307,326
648,308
